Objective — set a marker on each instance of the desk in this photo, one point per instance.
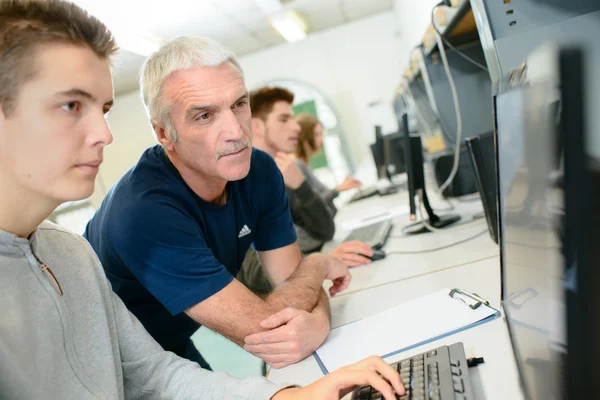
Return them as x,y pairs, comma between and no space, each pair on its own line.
404,266
472,265
496,379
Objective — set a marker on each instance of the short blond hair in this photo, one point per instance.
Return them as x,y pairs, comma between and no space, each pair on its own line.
27,25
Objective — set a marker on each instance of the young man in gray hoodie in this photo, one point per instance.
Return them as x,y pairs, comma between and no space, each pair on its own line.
63,333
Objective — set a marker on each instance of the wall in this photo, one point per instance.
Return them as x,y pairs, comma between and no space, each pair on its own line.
412,18
353,65
132,135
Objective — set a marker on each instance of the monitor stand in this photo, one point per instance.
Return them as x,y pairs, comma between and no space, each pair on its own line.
434,220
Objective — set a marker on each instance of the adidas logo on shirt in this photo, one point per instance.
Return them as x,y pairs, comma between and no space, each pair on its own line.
245,231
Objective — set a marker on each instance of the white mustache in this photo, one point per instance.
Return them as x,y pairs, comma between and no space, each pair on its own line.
237,146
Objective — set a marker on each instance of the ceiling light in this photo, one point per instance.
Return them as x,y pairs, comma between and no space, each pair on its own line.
290,25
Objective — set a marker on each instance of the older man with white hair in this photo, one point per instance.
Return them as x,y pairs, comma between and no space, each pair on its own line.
173,232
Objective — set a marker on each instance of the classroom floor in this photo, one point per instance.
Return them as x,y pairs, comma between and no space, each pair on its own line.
225,356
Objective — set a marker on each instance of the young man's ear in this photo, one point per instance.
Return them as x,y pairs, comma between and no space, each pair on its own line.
161,134
258,127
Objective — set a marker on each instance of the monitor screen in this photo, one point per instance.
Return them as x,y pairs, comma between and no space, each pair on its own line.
532,212
378,152
395,148
483,160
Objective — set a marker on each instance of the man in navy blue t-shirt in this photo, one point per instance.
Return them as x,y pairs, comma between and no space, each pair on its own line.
172,233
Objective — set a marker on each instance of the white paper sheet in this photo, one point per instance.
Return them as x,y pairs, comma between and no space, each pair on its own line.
400,327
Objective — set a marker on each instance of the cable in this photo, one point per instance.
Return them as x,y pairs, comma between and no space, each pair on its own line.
468,198
450,208
447,42
410,100
456,108
438,248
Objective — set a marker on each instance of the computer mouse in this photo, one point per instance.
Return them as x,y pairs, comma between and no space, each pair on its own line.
377,255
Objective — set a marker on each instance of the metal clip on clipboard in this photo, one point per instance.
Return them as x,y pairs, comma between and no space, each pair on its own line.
478,300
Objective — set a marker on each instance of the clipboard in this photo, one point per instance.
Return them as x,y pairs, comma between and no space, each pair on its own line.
403,327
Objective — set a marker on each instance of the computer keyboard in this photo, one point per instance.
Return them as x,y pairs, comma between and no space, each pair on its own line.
439,374
370,191
364,192
374,235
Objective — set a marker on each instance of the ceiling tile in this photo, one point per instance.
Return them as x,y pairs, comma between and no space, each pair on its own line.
235,6
356,9
270,36
242,44
239,24
311,5
323,18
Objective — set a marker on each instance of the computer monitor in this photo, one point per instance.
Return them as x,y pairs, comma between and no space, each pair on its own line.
548,227
482,154
378,151
394,146
413,154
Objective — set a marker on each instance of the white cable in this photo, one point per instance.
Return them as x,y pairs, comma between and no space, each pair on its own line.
456,110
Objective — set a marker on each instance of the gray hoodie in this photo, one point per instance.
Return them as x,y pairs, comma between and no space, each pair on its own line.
85,344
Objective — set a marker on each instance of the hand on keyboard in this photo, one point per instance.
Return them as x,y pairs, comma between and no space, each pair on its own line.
353,253
349,183
372,371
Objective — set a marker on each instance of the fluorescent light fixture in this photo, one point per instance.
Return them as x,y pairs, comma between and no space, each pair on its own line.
290,25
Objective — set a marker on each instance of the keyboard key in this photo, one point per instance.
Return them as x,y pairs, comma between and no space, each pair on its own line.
456,371
459,386
432,353
455,363
404,363
376,396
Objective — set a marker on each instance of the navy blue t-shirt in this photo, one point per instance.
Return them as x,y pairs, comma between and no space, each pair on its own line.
164,249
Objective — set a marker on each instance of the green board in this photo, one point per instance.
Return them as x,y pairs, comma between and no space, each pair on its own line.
318,160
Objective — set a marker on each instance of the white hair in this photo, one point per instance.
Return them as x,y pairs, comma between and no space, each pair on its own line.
182,53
